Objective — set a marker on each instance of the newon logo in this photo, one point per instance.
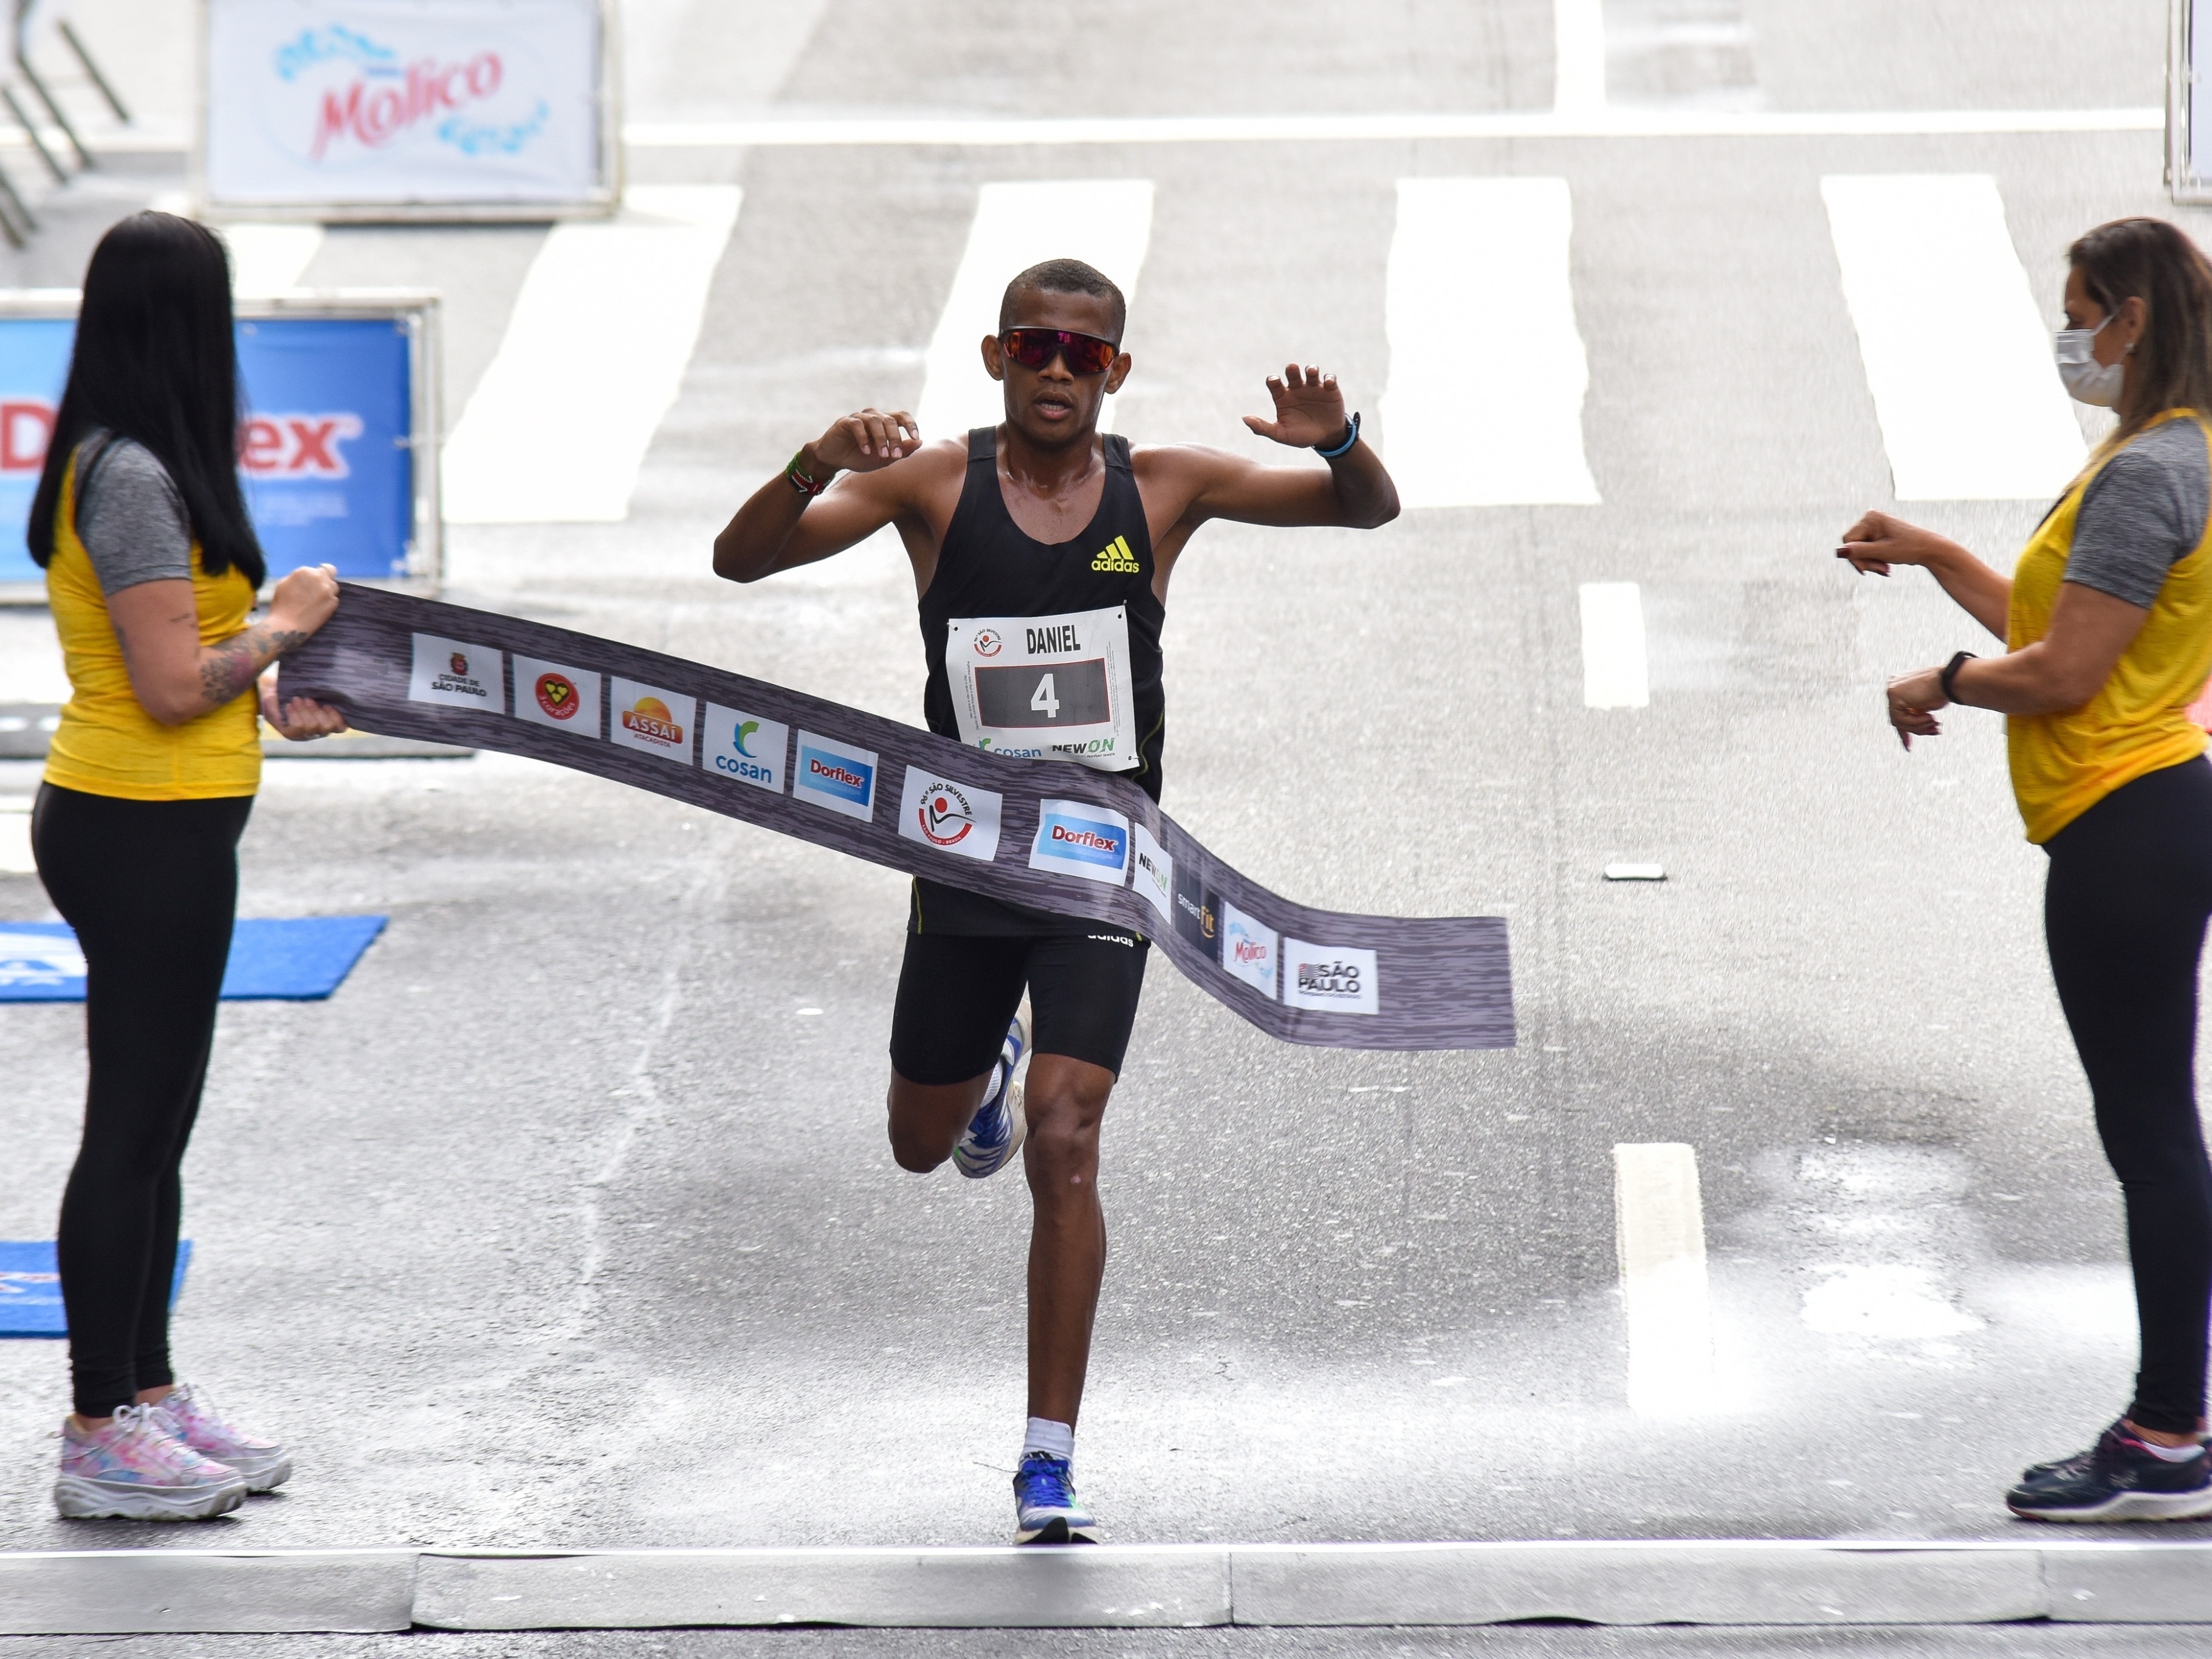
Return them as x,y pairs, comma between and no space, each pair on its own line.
457,674
648,718
553,694
953,817
735,745
1154,874
1249,950
835,776
1074,838
1335,979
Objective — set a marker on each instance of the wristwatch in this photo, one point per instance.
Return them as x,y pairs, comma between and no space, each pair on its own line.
1948,678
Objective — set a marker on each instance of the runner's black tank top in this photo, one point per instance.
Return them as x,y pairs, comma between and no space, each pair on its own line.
990,567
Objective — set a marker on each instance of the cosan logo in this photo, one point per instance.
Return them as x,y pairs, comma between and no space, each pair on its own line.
649,717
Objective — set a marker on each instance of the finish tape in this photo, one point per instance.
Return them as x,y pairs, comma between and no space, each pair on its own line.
1049,834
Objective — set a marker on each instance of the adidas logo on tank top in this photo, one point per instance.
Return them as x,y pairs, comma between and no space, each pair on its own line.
1116,559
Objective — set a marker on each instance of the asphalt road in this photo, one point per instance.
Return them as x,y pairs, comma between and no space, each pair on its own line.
570,1219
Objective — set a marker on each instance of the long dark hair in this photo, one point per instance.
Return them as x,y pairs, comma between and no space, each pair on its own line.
2153,261
156,359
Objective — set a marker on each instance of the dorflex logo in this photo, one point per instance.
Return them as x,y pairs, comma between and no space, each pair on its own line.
836,776
735,745
1196,913
1116,560
297,446
1336,979
553,694
953,817
456,673
648,718
1154,874
1249,950
1077,839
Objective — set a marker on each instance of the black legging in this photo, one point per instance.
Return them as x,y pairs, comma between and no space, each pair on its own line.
150,888
2124,909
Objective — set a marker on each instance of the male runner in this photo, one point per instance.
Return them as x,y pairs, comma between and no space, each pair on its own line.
1043,523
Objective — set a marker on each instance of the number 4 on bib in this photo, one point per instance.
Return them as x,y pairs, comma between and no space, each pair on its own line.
1045,688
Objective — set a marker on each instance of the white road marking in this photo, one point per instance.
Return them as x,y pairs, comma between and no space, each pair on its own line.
1956,343
1578,58
1105,222
15,857
1660,1229
592,357
1636,872
1611,122
1496,250
1615,672
269,258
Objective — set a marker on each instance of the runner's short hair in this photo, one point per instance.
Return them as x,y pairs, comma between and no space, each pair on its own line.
1065,277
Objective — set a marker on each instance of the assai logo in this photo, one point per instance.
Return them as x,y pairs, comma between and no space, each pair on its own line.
1077,839
735,745
456,673
987,642
553,694
1249,949
653,719
1154,879
836,775
953,817
297,446
1334,978
1117,559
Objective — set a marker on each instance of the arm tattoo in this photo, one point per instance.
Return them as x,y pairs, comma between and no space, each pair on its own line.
228,668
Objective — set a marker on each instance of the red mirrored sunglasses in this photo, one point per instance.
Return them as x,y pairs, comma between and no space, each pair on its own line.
1035,348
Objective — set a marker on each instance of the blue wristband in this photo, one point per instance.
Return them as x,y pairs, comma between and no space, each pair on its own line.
1351,437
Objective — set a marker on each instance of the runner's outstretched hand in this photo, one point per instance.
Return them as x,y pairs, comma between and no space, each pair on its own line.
867,442
1309,408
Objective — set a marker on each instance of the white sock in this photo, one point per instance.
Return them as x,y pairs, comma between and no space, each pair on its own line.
2164,1454
1046,1435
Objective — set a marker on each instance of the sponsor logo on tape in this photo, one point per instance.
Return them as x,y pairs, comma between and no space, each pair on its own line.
653,720
1338,979
836,775
1196,913
735,745
1154,874
953,817
456,673
1117,559
553,694
1249,950
1077,839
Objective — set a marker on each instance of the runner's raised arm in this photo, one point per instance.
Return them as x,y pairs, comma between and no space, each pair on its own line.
795,518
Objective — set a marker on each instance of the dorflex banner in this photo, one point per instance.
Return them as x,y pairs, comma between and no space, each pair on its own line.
1059,837
397,108
327,450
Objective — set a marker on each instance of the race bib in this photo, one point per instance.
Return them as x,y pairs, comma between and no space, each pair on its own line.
1045,687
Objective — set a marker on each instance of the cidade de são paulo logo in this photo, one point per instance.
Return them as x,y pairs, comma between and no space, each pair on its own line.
1337,979
836,775
456,673
1077,839
743,748
554,694
952,817
1249,949
651,719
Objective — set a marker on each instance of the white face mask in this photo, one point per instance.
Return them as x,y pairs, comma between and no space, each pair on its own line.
2088,381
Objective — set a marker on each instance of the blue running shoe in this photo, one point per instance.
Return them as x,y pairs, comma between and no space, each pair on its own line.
994,1134
1046,1510
2119,1479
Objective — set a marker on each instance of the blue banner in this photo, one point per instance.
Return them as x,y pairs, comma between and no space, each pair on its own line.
325,451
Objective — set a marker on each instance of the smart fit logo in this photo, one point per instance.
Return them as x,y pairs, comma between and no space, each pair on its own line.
1116,560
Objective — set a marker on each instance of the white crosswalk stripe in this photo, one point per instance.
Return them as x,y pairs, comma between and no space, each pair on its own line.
1615,671
1485,260
1956,344
1105,222
1660,1230
590,360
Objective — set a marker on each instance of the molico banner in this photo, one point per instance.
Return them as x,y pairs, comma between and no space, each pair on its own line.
378,107
1049,834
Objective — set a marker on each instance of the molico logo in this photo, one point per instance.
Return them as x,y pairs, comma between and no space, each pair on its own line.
836,776
456,673
553,694
372,95
953,817
652,718
1337,979
1249,950
1075,838
735,745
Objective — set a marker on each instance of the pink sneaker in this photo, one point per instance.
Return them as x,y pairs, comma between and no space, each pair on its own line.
191,1417
133,1468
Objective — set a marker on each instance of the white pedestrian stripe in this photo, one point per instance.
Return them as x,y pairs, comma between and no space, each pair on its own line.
1105,222
592,358
1660,1229
1615,671
1577,56
1957,343
1498,421
269,258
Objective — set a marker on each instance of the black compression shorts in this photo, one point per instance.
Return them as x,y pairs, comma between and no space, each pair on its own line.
957,992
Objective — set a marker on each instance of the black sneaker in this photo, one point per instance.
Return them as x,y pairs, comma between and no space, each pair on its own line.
2119,1479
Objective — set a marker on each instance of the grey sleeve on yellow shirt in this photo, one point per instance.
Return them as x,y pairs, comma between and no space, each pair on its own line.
132,522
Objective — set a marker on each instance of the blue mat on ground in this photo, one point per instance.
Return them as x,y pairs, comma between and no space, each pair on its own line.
297,959
31,1289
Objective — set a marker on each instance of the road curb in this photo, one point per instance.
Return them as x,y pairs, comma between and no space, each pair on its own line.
1801,1583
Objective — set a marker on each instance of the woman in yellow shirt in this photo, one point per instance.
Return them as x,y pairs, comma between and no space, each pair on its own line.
2107,624
151,571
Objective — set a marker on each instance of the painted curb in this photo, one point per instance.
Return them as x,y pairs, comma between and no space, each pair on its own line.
1780,1582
